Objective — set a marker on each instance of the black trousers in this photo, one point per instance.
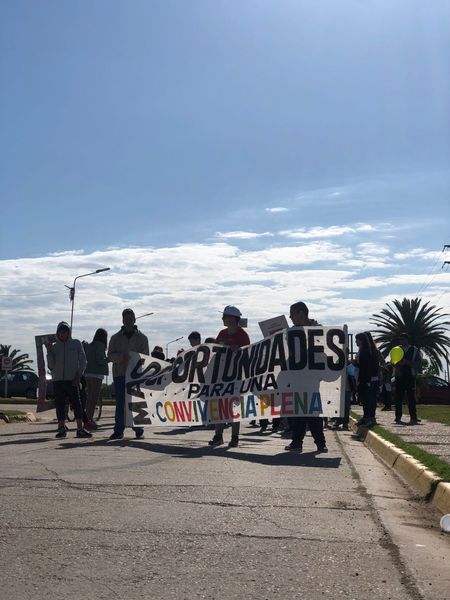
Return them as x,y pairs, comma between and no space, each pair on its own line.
66,390
235,427
402,388
315,424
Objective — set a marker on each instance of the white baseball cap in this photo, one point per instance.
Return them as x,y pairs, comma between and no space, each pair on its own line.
232,311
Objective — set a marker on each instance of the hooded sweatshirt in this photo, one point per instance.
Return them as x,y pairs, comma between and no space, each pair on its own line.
66,360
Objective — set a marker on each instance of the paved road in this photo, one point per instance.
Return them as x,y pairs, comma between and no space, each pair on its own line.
167,517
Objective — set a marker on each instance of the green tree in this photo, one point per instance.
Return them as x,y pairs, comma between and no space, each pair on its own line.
19,361
424,323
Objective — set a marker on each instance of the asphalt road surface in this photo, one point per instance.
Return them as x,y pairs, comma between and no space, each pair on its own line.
168,517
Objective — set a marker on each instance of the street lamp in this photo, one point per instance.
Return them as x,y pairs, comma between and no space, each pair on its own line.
171,342
72,289
146,315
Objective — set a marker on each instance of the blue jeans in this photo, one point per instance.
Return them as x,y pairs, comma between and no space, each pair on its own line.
119,426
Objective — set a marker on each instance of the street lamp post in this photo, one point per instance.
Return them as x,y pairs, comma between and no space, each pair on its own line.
171,342
72,289
146,315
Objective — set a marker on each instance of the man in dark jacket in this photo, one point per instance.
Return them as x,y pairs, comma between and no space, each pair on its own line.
405,380
299,315
67,362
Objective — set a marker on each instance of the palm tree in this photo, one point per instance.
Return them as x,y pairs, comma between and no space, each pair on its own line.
19,361
424,323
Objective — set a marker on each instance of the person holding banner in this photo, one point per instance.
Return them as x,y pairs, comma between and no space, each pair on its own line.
368,365
405,380
235,337
299,315
127,339
194,339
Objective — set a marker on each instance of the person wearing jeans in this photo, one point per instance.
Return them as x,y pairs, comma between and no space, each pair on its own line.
127,339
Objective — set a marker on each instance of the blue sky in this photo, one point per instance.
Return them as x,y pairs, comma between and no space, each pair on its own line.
158,137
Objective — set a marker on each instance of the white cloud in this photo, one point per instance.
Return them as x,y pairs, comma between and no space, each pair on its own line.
241,235
418,253
326,232
187,285
276,209
66,253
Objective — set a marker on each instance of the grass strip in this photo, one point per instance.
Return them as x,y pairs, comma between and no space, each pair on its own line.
434,412
430,461
13,413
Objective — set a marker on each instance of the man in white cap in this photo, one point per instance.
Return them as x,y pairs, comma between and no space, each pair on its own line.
235,337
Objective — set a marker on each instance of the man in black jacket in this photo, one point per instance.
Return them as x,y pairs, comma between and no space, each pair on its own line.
405,380
299,315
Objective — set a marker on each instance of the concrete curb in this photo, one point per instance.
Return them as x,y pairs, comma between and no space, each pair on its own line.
425,482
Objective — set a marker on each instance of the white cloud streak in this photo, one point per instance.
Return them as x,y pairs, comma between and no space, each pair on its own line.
327,232
242,235
277,209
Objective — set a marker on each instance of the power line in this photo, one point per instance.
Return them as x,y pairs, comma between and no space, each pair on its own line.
427,282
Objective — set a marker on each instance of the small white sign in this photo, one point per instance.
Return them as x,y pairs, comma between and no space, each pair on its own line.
271,326
6,363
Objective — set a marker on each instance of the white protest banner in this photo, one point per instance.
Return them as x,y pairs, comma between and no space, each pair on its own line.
296,372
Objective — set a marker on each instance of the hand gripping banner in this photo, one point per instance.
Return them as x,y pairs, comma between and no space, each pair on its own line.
299,371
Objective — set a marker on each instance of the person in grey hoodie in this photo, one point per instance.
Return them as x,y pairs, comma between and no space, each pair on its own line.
67,362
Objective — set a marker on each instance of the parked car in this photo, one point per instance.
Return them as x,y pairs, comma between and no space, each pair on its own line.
434,391
20,384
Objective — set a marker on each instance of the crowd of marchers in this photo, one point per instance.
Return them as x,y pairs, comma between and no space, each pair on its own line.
78,369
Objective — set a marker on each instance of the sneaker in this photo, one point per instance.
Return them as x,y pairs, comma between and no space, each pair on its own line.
91,425
294,446
82,433
61,433
116,436
413,422
361,423
322,450
398,422
139,435
233,443
216,441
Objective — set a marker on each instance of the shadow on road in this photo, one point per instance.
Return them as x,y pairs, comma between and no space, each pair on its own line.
305,459
27,441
